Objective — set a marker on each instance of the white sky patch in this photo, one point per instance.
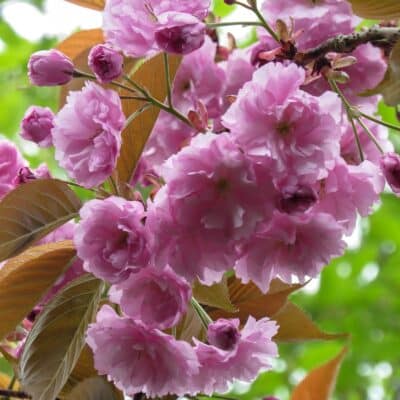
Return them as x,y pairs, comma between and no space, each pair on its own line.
60,19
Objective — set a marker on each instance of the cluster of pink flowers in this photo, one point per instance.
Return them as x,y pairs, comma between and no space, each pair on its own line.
266,181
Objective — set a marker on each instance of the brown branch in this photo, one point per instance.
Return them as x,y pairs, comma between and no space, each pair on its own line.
381,37
14,394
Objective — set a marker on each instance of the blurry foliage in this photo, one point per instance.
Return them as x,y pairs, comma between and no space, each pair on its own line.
358,293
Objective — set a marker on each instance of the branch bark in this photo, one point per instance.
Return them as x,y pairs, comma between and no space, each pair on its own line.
14,394
381,37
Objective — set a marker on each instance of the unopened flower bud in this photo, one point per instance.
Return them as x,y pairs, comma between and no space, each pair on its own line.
50,68
37,124
224,333
390,166
179,33
105,62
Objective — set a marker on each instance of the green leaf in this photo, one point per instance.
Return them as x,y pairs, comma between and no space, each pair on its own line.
221,9
33,210
57,338
26,278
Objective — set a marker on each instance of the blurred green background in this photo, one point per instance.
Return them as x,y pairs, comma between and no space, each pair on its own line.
359,293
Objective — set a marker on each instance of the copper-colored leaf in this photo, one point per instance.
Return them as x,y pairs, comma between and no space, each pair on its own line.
26,278
95,388
296,325
320,382
149,75
73,45
390,86
33,210
249,300
373,9
57,338
93,4
216,296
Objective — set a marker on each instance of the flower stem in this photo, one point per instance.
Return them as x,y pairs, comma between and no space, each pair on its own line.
213,25
82,74
168,79
380,122
371,135
351,115
204,317
264,22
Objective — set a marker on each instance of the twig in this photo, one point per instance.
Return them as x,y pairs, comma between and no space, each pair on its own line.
381,37
14,394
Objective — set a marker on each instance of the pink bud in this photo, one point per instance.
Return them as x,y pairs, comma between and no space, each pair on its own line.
37,125
50,68
390,165
179,33
106,63
224,333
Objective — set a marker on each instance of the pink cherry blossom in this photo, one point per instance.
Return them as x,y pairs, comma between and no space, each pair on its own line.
87,134
131,25
319,20
210,201
37,125
179,33
252,352
390,165
351,189
11,161
290,246
111,238
158,298
272,119
200,79
224,333
138,359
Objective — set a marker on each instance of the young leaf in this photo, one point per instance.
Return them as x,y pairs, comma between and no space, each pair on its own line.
320,382
296,325
57,338
149,75
26,278
93,4
390,86
191,326
95,388
73,45
33,210
216,296
373,9
249,300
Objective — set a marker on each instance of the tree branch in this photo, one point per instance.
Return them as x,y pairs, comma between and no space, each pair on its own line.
14,394
381,37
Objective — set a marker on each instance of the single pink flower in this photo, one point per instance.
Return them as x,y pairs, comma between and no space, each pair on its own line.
138,359
157,298
111,238
87,134
252,352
